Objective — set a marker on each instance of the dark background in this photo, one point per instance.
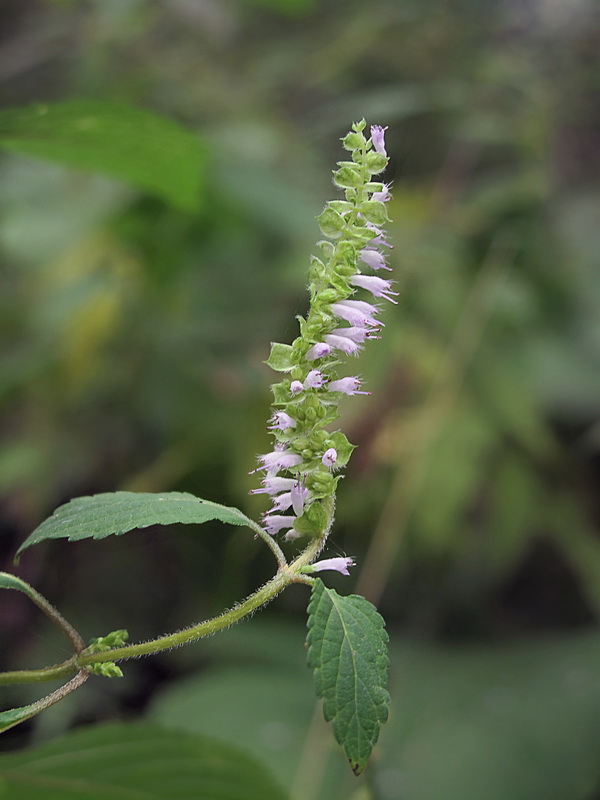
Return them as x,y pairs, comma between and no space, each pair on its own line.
133,335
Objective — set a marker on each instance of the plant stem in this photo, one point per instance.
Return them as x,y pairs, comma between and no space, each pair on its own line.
261,597
13,582
40,675
35,708
287,574
271,544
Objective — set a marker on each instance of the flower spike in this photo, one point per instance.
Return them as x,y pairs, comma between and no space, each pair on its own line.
302,471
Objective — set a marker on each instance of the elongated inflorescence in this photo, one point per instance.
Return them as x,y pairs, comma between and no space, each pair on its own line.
300,474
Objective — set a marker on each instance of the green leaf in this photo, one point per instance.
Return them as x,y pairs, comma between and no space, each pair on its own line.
348,653
102,515
131,144
331,223
280,358
374,211
12,717
313,521
134,762
348,177
8,581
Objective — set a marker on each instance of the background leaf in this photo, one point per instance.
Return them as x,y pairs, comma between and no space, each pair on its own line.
348,653
518,720
111,513
128,143
134,761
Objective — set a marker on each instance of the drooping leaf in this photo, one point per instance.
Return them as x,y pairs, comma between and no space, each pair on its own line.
348,653
101,515
134,762
128,143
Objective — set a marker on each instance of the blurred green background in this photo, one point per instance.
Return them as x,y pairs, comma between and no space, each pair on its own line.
135,315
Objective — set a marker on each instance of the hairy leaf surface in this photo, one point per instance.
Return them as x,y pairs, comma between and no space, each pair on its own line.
102,515
348,653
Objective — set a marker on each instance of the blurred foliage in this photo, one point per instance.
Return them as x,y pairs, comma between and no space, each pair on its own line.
132,336
467,722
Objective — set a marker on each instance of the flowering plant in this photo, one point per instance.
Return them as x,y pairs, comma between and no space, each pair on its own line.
346,638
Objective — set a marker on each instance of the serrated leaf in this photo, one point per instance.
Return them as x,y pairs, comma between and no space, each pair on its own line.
129,143
348,652
134,762
114,513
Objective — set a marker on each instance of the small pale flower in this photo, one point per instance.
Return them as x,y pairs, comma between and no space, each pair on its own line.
373,258
377,286
356,334
282,501
314,379
292,535
273,523
383,196
344,344
274,484
355,316
378,139
338,564
349,386
296,387
299,495
319,350
280,459
329,457
379,238
282,421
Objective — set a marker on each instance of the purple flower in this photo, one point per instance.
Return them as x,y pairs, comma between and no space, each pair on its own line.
273,523
379,237
383,196
282,421
274,484
299,495
296,387
357,316
344,344
377,286
329,457
282,501
356,334
280,459
319,350
378,139
373,258
314,379
349,386
338,564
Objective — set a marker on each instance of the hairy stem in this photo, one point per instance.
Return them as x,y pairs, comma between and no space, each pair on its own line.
287,574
